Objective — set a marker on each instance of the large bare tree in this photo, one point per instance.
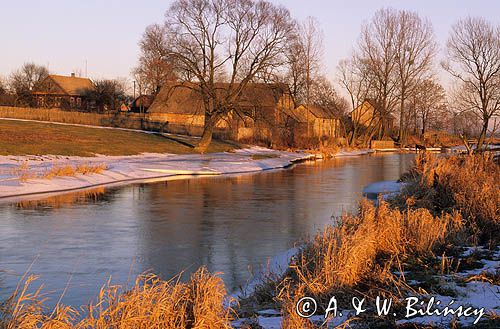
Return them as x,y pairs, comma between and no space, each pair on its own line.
377,56
153,69
395,52
415,48
311,41
473,59
231,41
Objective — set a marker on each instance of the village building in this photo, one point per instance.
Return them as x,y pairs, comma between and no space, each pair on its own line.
259,113
62,92
142,103
368,115
316,121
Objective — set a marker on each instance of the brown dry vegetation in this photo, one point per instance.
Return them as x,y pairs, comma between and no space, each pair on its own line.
24,172
150,303
448,202
359,254
468,184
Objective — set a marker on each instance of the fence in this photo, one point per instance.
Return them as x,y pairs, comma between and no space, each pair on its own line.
380,144
118,119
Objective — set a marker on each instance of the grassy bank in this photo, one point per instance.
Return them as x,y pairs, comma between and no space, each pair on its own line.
34,138
389,250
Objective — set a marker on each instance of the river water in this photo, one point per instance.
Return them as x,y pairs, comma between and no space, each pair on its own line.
232,224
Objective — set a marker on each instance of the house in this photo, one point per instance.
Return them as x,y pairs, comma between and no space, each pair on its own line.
255,115
62,91
316,121
369,115
142,103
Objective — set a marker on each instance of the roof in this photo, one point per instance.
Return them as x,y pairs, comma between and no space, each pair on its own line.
143,100
184,98
300,113
72,86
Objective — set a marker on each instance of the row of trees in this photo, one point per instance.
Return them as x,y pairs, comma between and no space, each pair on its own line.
393,65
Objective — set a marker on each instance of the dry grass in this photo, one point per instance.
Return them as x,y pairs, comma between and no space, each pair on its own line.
343,255
35,138
150,303
360,252
69,171
468,184
25,173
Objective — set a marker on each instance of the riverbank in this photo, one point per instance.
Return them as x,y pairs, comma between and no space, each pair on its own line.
439,240
432,253
30,176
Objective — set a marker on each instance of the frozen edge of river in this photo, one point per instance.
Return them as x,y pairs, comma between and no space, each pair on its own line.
147,167
129,169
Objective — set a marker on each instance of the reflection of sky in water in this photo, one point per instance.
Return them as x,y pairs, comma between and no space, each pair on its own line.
229,224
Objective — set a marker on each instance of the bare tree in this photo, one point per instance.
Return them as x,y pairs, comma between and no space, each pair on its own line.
416,49
230,41
304,59
357,83
377,57
429,105
311,39
153,69
395,52
23,81
324,95
3,86
473,58
107,95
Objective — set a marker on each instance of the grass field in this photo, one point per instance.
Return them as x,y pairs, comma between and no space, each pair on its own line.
34,138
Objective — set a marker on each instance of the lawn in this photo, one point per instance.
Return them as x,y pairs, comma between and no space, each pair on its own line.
35,138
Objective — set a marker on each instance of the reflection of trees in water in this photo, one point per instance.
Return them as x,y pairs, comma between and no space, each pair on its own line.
65,200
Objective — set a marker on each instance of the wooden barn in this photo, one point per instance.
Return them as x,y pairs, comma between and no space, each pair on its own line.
254,116
368,115
316,121
142,103
62,92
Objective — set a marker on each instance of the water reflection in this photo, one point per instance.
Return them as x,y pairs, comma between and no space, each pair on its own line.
64,200
230,224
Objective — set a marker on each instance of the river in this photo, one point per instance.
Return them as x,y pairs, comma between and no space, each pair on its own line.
231,224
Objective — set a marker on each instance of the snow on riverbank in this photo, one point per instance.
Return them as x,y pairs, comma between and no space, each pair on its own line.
125,169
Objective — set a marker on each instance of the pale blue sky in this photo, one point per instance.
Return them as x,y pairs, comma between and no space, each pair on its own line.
63,34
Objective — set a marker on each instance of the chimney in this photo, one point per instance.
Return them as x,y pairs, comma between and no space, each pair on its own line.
72,74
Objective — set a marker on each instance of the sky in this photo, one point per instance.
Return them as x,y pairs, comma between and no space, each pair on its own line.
66,34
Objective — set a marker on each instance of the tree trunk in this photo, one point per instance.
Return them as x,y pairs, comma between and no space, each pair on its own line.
206,137
482,136
401,123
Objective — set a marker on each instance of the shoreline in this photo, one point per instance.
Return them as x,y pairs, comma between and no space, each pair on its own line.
124,170
147,168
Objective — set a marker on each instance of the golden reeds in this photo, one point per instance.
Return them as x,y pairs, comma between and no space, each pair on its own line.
201,303
468,184
24,172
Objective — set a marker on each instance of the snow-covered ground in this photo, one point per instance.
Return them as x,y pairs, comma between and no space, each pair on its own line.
126,169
